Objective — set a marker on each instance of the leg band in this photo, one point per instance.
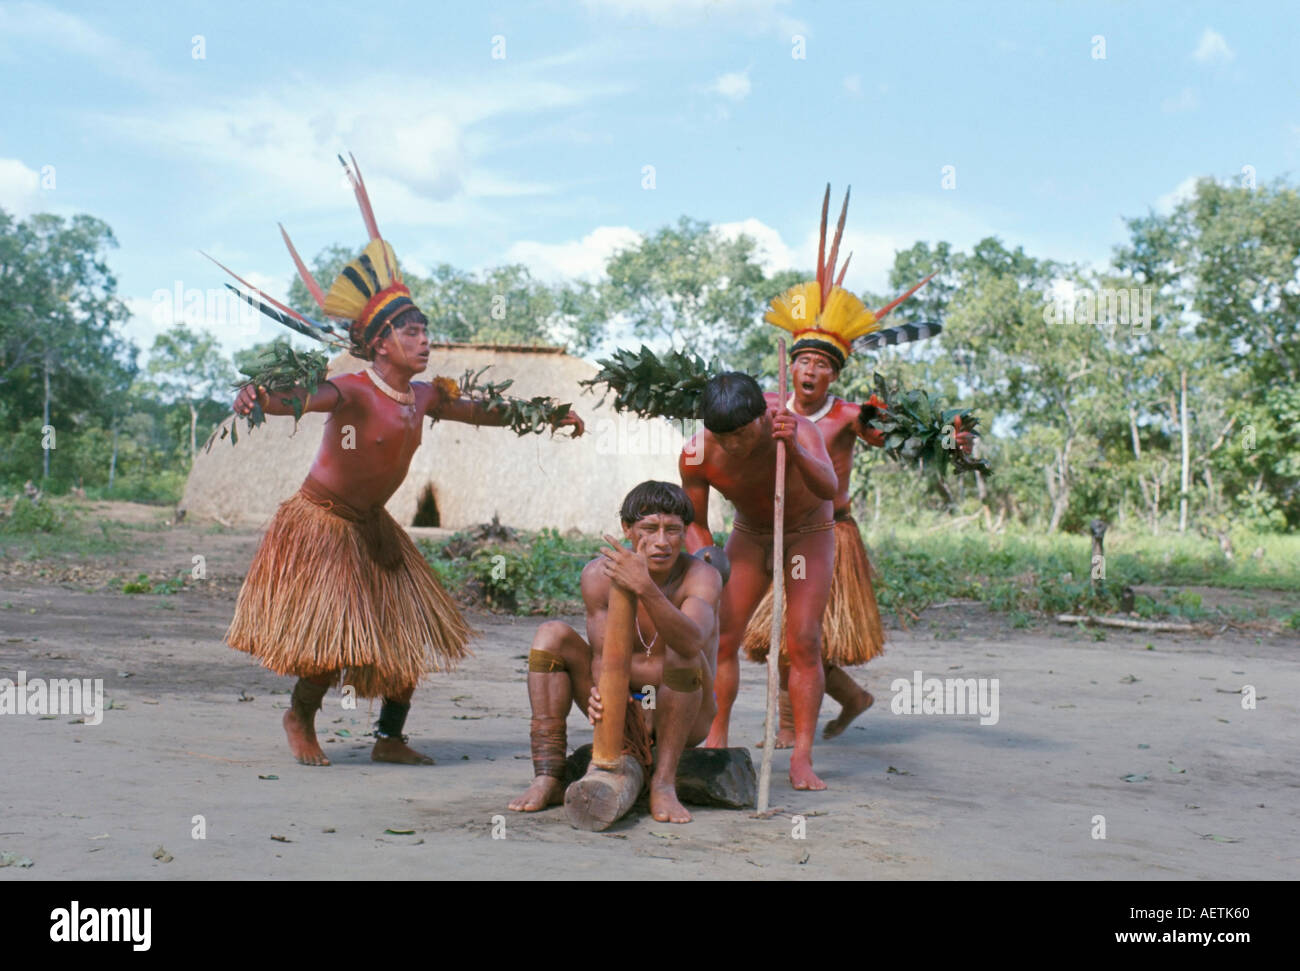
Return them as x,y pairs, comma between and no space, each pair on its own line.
548,738
392,718
544,662
683,679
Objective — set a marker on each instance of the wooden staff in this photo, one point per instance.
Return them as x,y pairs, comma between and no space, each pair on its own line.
613,780
615,672
778,605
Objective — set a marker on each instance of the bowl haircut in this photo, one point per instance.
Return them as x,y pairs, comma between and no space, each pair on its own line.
651,498
731,401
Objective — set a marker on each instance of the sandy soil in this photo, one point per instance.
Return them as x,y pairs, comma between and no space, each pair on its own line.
194,731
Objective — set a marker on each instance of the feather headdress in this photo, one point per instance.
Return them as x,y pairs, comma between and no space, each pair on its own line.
826,318
368,294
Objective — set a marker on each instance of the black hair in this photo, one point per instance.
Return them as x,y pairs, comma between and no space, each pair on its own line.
651,498
731,400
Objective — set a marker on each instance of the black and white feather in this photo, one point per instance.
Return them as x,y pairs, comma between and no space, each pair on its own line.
900,334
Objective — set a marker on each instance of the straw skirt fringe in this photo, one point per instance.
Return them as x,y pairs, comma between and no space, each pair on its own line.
851,629
317,601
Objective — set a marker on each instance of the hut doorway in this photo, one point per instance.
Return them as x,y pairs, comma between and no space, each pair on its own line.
426,513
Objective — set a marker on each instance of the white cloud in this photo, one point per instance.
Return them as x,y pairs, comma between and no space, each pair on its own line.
581,259
422,166
772,253
37,27
735,85
19,188
751,16
1213,49
1180,193
853,84
1185,100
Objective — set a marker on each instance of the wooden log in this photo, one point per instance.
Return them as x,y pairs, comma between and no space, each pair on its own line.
1124,622
613,781
603,796
723,778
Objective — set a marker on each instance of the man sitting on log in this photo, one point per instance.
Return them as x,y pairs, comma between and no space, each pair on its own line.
673,664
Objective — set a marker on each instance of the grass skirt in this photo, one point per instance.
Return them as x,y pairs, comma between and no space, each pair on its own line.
335,591
851,629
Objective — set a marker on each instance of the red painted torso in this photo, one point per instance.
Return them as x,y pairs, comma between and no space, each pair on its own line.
838,428
369,440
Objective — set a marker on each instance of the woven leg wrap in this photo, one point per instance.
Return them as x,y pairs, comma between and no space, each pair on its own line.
392,718
549,740
544,662
786,710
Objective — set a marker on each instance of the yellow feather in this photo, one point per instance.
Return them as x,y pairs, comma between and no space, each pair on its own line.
344,299
797,308
846,316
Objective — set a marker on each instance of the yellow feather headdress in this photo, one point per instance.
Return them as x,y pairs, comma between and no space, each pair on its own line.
822,315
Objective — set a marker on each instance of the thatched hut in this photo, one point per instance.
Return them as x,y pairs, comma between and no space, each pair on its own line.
460,475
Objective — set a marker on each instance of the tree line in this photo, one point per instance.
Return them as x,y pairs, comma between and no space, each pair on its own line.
1159,391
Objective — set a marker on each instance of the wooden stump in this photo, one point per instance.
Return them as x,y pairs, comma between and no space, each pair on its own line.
722,778
603,796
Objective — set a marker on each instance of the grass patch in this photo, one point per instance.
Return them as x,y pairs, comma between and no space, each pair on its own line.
1023,573
515,571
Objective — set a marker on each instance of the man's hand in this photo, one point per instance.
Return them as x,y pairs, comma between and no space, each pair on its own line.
249,396
965,440
595,710
571,420
784,426
625,567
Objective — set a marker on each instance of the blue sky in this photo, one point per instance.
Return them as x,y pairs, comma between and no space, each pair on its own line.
538,156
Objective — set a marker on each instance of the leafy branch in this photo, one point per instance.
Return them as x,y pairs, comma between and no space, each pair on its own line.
918,432
279,369
644,383
524,416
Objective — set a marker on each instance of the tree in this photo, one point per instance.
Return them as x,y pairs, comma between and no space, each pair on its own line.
687,287
188,367
58,307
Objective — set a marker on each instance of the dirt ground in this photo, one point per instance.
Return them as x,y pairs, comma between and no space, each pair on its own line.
194,731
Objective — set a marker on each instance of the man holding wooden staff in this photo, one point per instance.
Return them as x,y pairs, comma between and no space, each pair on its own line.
736,454
852,633
674,638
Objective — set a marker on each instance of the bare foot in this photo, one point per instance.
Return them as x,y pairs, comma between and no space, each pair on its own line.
802,775
849,712
302,738
398,752
546,790
716,739
784,739
664,805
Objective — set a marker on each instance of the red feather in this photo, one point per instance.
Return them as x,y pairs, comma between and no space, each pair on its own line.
844,269
312,286
363,198
888,307
835,247
268,298
821,244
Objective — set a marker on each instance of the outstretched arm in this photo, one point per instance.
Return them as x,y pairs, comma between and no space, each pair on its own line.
327,397
472,412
